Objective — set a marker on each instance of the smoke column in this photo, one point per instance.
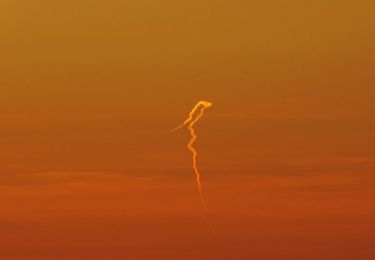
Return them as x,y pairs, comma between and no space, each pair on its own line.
190,122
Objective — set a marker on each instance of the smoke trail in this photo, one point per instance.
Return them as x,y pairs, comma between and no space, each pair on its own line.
190,122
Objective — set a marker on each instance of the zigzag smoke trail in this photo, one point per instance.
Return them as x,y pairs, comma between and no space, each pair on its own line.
190,122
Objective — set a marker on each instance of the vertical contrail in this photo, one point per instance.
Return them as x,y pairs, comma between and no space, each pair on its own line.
190,122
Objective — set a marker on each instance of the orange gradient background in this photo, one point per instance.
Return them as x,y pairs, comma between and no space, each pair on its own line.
89,91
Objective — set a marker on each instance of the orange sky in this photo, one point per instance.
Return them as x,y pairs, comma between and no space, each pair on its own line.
89,91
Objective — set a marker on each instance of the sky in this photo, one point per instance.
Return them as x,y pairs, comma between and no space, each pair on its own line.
89,91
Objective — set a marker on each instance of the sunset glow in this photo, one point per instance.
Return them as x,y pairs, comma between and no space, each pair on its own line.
275,147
